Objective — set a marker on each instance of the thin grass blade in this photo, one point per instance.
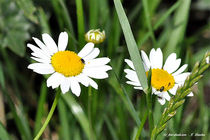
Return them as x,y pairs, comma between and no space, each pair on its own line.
131,44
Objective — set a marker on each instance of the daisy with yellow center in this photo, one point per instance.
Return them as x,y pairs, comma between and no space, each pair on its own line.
67,68
165,78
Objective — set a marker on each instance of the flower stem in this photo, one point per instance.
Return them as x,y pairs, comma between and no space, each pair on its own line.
49,116
149,106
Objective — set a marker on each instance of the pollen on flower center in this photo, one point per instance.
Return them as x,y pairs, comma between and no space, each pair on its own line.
161,80
67,63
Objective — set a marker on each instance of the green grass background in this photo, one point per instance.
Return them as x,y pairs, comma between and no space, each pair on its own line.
115,111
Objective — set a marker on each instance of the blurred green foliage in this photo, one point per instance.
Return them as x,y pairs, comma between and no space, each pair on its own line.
14,27
114,111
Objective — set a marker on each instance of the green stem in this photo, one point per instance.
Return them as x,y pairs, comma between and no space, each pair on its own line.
149,106
141,126
80,22
49,116
89,110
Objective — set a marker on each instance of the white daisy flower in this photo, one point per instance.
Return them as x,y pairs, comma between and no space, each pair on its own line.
165,78
67,68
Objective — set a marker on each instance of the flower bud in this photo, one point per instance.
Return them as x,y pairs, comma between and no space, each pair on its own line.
95,36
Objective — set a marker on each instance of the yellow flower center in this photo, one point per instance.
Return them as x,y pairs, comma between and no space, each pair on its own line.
161,80
67,63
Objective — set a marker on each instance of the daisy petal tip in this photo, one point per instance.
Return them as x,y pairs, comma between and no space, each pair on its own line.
162,101
190,94
95,86
76,93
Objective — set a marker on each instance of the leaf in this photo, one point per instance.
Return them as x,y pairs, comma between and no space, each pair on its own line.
3,133
79,114
28,9
131,45
13,27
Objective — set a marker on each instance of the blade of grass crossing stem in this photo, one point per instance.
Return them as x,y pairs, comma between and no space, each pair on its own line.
3,133
65,135
93,13
179,27
40,108
79,114
80,22
148,21
131,44
159,22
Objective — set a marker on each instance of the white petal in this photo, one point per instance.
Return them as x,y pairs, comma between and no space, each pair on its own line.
190,94
44,71
140,88
82,78
95,74
99,69
171,63
159,57
156,58
154,90
181,77
145,67
65,85
166,96
174,89
130,63
152,57
41,56
41,68
62,41
49,42
207,59
54,80
42,46
180,70
86,50
145,59
38,51
38,65
92,54
128,71
133,83
131,75
41,60
92,83
97,62
75,87
161,100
